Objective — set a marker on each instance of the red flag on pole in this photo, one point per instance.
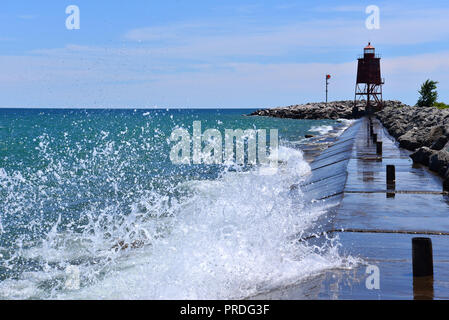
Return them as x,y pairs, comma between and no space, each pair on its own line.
328,76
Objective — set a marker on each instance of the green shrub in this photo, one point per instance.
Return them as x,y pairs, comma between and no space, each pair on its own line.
428,94
441,105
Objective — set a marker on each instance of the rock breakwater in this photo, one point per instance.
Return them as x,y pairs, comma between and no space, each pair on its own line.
332,110
425,131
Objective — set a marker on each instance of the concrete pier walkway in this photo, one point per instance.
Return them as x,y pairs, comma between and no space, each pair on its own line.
418,204
372,215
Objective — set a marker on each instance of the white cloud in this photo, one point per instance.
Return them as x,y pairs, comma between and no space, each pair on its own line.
186,40
421,63
117,82
211,64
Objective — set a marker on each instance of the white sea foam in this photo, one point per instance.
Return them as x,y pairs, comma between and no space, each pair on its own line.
325,129
321,129
232,237
346,123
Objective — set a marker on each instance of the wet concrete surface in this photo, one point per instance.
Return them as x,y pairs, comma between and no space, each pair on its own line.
416,204
367,205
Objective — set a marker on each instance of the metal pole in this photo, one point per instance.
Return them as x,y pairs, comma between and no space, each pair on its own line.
391,174
327,83
379,147
422,257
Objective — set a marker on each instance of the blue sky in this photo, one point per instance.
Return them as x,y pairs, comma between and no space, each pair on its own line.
231,54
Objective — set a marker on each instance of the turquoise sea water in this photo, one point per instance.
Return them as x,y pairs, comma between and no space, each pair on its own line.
95,191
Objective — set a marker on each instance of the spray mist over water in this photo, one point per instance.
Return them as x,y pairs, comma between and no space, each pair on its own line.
106,199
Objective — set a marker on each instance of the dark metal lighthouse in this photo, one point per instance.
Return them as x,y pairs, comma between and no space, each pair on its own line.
369,81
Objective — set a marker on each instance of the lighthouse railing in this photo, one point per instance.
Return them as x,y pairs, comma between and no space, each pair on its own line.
362,56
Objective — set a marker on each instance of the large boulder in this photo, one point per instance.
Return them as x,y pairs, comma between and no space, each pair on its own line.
397,128
412,139
423,155
438,137
446,147
440,143
439,162
434,137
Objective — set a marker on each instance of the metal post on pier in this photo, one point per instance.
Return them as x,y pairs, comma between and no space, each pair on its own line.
422,257
446,185
391,174
328,76
391,181
379,147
